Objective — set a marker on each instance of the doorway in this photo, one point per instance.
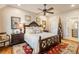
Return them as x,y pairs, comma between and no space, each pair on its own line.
75,29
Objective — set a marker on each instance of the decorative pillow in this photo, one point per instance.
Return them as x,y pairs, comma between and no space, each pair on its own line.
41,29
33,30
37,30
29,30
3,36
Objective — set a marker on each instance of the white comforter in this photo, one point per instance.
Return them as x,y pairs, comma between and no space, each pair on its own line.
33,39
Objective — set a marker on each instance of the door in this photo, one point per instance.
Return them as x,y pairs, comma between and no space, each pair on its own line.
75,29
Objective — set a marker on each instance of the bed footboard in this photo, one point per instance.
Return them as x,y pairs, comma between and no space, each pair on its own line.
47,43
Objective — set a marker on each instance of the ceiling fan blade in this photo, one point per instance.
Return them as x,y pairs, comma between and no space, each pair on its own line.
40,9
50,9
51,12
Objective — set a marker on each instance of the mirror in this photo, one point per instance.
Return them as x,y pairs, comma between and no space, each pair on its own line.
75,29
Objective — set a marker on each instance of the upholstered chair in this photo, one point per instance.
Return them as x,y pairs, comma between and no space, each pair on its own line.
4,39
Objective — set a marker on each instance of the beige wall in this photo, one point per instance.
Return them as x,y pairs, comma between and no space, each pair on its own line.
6,14
53,24
67,18
1,22
52,21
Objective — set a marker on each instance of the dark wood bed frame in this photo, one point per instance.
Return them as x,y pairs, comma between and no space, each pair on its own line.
46,43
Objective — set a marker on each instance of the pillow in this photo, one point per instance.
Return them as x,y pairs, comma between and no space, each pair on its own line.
41,29
2,36
38,30
29,30
33,30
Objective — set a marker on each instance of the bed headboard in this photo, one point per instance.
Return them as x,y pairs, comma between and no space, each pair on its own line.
32,24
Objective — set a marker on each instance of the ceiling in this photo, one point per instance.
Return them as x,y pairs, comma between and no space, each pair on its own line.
58,8
1,6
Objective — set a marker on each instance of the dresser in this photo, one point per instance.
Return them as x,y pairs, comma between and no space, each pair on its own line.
17,38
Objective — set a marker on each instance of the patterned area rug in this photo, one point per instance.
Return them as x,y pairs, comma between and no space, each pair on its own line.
66,47
58,49
22,49
72,47
63,48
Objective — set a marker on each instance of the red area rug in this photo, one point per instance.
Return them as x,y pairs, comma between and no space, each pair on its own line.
63,48
22,49
57,49
26,49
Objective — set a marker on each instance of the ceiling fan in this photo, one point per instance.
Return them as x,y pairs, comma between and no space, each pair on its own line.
45,10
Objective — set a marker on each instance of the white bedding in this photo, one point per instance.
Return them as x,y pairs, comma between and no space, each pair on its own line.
33,39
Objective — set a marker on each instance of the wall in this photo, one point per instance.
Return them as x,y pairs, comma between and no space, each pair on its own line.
67,19
6,14
1,22
53,24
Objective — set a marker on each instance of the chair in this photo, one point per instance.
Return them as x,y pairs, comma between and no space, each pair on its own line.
4,39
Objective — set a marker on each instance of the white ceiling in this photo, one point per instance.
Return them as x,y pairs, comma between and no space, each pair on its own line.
34,7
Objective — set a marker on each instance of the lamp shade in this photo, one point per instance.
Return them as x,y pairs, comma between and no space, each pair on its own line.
20,25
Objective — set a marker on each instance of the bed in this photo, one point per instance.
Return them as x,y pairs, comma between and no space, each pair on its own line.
39,41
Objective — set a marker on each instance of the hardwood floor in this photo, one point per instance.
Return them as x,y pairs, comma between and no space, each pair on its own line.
73,43
6,50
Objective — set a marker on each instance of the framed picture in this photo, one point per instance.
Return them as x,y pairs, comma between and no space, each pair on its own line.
14,22
27,18
38,20
44,24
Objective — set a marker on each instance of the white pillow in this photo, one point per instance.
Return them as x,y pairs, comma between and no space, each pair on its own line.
33,30
29,30
37,30
3,36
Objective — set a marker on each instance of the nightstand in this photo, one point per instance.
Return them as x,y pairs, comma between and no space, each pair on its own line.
17,38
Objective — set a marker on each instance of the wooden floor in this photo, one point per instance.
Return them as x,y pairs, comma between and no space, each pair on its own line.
6,50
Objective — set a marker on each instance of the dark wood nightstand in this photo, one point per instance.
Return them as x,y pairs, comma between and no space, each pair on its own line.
17,38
